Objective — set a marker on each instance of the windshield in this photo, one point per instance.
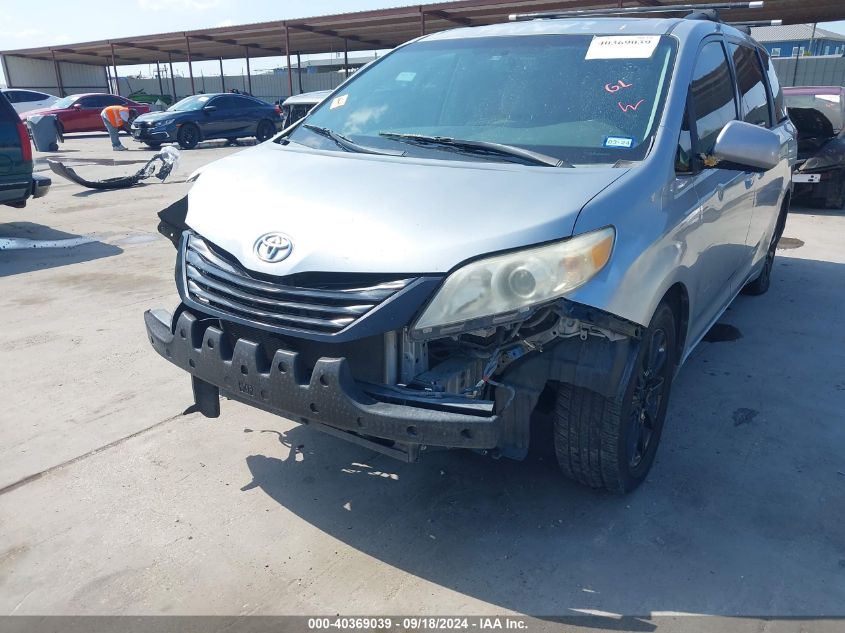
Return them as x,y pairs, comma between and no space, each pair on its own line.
65,102
828,104
583,99
190,103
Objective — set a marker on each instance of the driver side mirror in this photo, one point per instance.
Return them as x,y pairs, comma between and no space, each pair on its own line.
746,147
209,109
77,106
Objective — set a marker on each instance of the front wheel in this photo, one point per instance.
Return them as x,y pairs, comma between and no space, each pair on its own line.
188,136
603,443
835,191
265,130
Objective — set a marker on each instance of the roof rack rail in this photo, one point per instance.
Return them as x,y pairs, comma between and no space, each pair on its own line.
677,8
757,23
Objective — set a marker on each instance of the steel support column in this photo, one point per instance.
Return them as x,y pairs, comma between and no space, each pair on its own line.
248,71
116,76
287,54
422,21
105,72
9,82
299,71
222,76
172,77
158,72
190,65
345,58
58,71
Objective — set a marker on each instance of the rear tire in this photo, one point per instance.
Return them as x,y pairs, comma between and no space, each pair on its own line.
760,285
602,443
264,131
188,136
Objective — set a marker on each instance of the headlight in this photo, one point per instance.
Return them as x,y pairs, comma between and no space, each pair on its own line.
165,122
499,288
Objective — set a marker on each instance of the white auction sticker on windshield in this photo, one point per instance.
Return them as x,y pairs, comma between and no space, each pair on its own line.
622,47
338,102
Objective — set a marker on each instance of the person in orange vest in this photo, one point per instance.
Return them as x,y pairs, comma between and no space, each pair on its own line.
115,118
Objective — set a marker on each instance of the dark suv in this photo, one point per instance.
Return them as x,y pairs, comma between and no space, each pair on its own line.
17,182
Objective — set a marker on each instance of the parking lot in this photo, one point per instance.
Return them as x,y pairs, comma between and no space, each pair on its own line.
113,501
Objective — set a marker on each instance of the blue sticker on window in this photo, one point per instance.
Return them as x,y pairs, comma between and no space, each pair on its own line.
621,142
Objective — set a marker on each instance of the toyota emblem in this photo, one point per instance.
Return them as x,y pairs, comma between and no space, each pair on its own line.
273,247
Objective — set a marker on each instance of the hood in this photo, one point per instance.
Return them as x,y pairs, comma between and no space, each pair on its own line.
151,117
349,212
811,123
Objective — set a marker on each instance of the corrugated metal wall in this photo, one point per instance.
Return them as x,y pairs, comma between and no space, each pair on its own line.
39,74
811,71
267,87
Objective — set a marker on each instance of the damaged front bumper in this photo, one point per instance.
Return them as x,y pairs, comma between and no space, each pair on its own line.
391,419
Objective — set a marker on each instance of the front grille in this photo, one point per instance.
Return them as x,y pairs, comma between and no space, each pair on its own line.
327,307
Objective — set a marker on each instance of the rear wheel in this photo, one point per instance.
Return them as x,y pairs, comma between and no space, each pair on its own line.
264,131
189,136
760,285
603,443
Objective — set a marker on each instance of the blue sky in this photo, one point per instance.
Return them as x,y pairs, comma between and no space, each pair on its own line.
46,22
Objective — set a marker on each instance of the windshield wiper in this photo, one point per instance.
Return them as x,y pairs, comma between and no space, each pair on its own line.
478,147
346,143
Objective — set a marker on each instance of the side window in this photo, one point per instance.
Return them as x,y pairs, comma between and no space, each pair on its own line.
13,96
29,95
89,102
224,103
752,87
108,100
777,91
243,102
713,99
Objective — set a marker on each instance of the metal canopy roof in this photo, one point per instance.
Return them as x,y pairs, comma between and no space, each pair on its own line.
366,30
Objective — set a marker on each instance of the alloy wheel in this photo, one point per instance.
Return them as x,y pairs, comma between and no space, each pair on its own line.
647,400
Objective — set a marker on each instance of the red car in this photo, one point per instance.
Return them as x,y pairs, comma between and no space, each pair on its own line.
81,113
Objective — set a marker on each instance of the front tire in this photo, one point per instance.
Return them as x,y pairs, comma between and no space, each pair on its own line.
603,443
835,191
188,136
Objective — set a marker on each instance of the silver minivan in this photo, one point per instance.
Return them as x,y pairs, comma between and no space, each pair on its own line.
485,225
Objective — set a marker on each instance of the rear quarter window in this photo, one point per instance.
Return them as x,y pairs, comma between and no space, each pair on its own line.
777,89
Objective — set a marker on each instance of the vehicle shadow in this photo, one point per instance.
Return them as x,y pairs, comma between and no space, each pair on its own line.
741,514
26,246
806,207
